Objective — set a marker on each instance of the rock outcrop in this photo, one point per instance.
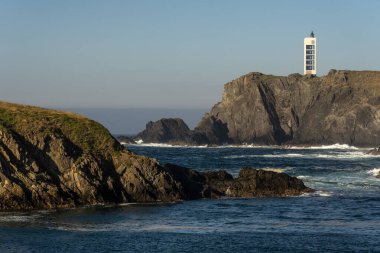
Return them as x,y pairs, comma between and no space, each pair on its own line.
249,183
51,159
341,107
176,132
165,131
375,151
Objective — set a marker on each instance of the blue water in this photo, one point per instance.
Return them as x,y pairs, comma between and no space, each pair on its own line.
342,216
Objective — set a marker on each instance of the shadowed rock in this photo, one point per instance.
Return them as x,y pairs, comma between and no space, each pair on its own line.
250,183
165,131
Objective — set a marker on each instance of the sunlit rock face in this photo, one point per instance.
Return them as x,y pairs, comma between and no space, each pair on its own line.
341,107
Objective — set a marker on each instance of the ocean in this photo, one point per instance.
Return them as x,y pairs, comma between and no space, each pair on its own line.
343,215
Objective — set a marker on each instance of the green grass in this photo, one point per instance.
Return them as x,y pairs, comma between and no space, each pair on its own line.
85,133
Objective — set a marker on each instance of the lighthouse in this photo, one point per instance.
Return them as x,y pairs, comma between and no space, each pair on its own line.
310,55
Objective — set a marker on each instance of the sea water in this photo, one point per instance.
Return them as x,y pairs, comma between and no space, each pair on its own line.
343,215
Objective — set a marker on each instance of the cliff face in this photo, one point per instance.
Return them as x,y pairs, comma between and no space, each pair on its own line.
54,159
341,107
57,159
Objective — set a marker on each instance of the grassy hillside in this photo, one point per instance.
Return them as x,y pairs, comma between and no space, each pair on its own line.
87,134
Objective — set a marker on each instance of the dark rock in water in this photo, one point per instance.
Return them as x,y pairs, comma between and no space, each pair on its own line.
375,151
51,159
341,107
165,131
260,183
250,183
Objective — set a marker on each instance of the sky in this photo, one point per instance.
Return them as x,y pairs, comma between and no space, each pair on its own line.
170,54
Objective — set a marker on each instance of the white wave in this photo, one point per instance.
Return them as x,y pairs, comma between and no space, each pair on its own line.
264,155
278,170
171,228
346,155
84,228
318,194
238,156
323,193
19,218
245,145
166,145
334,155
375,172
333,146
123,226
282,155
163,145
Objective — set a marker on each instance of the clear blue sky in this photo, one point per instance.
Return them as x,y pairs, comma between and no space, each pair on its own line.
170,54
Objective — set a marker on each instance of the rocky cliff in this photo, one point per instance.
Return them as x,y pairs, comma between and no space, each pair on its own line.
52,159
341,107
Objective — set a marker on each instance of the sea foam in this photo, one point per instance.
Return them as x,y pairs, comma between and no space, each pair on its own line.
333,146
375,172
329,156
164,145
317,194
245,145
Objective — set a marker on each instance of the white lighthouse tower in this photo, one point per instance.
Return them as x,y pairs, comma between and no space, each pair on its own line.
310,55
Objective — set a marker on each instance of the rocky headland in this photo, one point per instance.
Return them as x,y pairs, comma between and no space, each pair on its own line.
51,159
341,107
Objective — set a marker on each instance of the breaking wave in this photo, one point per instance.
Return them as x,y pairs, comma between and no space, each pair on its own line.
163,145
333,146
335,155
319,194
278,170
18,217
245,145
375,172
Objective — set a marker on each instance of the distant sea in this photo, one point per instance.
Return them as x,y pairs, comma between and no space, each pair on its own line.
130,121
343,215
